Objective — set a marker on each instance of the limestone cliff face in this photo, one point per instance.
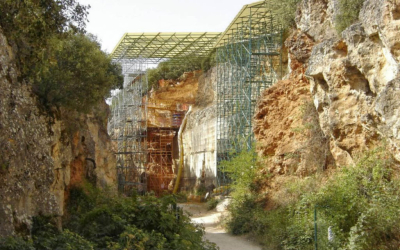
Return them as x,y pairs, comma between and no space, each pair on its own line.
352,79
286,123
199,136
42,157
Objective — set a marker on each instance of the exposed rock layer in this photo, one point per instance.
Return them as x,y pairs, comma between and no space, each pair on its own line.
200,135
42,157
353,80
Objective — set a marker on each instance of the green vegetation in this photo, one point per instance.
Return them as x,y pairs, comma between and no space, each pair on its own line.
171,70
242,170
348,13
210,61
101,220
16,243
212,203
65,67
285,11
358,203
30,26
76,74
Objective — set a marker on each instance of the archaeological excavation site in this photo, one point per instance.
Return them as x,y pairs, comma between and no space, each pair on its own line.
279,131
171,135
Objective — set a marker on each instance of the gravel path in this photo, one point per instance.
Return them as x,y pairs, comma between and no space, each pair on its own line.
214,231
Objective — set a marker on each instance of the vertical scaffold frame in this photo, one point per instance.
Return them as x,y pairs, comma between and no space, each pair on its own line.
144,153
248,61
128,128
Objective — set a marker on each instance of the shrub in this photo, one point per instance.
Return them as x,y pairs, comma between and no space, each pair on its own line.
285,11
212,203
135,239
242,170
209,61
171,70
15,243
102,220
348,13
111,221
46,236
358,203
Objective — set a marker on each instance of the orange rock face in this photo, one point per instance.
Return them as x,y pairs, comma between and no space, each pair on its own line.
286,124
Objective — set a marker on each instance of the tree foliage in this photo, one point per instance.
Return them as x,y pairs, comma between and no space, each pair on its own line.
66,68
30,25
75,73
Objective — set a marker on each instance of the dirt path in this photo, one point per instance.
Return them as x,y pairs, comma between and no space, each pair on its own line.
214,231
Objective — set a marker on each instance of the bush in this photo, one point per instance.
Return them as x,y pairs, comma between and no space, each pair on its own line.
144,222
47,237
16,243
102,220
242,170
209,61
212,203
285,11
358,203
171,70
348,13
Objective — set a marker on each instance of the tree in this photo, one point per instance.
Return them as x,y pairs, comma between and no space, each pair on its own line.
76,74
30,25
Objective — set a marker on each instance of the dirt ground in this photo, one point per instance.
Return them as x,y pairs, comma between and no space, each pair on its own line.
211,220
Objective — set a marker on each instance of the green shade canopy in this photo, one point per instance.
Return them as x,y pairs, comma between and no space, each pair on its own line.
252,20
154,47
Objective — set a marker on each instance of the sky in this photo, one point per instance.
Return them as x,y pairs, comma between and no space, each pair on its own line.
110,19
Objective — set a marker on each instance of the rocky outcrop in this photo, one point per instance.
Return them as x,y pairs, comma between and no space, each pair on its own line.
42,157
286,123
350,77
352,80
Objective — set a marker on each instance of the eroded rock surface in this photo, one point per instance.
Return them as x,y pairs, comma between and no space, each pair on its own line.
42,157
286,122
352,79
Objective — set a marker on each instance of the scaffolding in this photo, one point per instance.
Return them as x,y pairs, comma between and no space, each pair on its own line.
157,47
160,155
145,150
248,56
248,61
128,129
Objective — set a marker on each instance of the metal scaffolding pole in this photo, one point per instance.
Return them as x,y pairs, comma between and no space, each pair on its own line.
128,128
248,62
144,153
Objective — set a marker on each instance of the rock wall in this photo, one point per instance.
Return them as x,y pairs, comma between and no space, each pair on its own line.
42,157
352,79
199,137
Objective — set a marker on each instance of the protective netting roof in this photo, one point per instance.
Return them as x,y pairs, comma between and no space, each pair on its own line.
155,47
252,20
